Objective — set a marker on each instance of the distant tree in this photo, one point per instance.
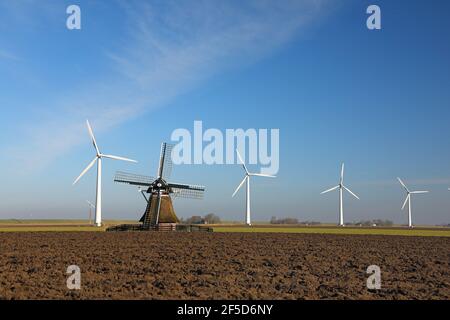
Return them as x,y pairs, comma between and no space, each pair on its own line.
369,223
274,220
195,220
289,221
310,223
211,218
385,223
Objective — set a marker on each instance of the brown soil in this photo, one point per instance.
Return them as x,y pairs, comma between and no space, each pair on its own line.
156,265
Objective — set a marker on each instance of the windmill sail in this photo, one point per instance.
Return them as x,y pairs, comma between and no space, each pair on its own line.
165,161
189,191
133,179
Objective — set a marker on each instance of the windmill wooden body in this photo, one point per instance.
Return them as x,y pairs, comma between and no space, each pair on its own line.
159,211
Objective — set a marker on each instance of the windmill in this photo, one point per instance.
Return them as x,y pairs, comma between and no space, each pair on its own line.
91,206
98,158
247,179
159,210
341,188
408,200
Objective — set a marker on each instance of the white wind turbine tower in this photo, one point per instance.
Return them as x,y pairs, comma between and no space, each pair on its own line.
247,179
408,199
98,159
341,188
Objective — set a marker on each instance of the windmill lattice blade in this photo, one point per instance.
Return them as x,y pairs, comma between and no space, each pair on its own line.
118,158
186,186
406,201
133,179
168,165
351,192
91,133
85,170
403,184
161,160
239,186
242,161
329,190
165,161
190,191
187,193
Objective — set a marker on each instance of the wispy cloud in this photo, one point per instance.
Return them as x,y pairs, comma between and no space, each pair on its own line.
8,55
168,50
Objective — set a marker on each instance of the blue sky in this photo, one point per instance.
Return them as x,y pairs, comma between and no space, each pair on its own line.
377,100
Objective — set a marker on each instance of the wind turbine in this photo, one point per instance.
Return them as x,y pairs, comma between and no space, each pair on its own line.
341,188
98,158
247,179
91,206
408,199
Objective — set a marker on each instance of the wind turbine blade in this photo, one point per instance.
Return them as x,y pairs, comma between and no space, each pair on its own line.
402,183
342,173
242,161
261,175
417,192
117,158
239,186
406,201
85,170
90,204
91,133
350,191
329,190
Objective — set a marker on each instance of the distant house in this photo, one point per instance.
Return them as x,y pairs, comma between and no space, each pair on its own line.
196,220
